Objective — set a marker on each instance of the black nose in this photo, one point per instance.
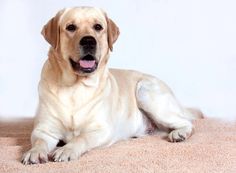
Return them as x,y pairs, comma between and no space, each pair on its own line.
88,41
88,44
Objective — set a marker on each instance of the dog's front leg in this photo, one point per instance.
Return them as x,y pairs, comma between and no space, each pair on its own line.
42,144
81,144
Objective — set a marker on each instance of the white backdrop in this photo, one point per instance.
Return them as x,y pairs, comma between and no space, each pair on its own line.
189,44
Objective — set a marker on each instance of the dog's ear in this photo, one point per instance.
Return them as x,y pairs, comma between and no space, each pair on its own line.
112,32
51,31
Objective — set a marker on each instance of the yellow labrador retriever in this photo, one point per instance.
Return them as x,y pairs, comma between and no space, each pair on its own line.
87,105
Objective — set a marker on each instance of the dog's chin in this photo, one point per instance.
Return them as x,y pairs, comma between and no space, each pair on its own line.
85,66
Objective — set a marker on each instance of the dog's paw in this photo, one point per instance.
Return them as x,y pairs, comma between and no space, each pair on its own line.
179,135
35,156
66,153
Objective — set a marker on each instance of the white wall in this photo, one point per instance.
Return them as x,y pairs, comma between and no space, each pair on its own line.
191,45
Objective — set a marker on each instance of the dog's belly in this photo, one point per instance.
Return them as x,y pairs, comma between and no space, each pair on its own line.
135,125
121,129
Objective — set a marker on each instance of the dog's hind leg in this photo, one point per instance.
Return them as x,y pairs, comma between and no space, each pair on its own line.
157,100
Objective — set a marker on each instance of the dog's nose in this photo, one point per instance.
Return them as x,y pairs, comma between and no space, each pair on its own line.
88,44
88,41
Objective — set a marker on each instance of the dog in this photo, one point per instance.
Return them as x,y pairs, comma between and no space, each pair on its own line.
87,105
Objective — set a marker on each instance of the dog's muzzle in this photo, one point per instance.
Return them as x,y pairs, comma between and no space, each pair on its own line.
87,62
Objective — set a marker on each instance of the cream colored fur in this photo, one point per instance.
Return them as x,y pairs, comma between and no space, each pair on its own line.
98,109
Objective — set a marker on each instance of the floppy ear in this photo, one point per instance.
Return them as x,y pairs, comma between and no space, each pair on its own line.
51,31
112,32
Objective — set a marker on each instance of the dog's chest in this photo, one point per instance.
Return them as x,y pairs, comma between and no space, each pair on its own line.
71,102
69,99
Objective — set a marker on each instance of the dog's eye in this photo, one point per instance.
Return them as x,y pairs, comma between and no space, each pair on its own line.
71,27
98,27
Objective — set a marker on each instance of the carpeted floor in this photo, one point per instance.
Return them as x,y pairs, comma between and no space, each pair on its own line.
211,149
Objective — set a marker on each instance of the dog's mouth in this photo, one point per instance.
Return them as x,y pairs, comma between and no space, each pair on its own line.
86,64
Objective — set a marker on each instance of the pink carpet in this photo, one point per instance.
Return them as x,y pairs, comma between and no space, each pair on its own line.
211,149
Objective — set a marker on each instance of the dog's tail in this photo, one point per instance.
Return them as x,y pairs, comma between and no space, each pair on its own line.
193,114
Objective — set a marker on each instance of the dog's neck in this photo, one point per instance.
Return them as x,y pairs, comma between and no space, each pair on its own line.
63,75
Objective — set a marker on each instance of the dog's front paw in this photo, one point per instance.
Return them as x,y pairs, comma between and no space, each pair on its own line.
35,156
66,153
179,135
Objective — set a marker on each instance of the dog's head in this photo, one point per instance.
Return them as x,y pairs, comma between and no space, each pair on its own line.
82,36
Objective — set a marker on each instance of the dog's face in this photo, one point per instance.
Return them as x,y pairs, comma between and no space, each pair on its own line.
83,37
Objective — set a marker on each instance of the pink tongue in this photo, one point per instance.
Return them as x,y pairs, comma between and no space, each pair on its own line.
86,63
